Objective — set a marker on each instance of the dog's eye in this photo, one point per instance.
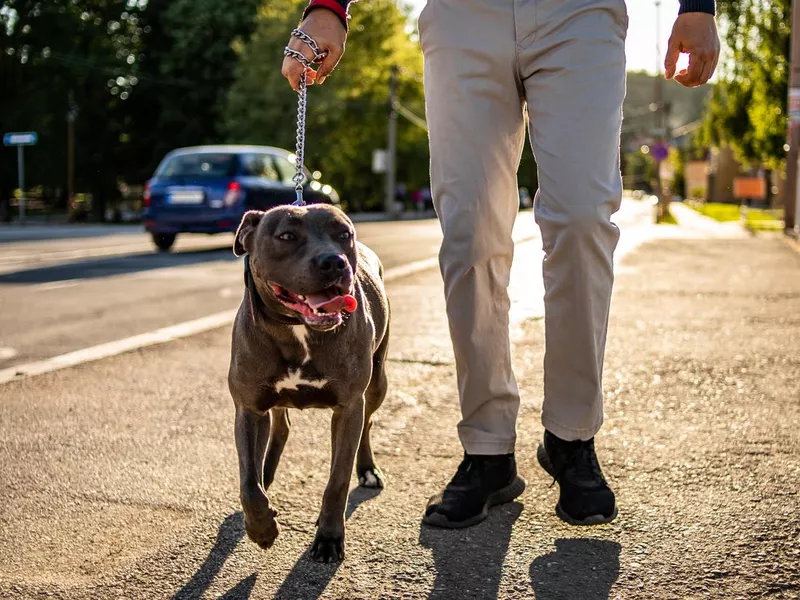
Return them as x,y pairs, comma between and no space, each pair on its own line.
287,237
345,235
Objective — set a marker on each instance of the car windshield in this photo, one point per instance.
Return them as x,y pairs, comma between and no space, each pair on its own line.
205,164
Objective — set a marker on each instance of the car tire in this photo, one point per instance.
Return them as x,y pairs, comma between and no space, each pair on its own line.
164,241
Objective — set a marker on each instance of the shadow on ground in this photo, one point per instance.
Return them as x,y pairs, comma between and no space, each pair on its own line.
578,568
308,579
469,562
230,533
116,265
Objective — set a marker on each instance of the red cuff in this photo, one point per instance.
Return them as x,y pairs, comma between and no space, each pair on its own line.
333,5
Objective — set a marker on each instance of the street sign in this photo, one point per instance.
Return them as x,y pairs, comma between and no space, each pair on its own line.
379,161
20,139
24,138
660,151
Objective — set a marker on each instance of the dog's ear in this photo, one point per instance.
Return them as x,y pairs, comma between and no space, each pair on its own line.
244,235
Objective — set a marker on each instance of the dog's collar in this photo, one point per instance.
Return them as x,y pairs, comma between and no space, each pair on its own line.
257,304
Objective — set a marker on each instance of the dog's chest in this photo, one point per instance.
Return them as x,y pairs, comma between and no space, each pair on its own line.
302,385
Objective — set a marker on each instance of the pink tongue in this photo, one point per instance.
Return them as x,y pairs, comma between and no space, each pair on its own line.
331,304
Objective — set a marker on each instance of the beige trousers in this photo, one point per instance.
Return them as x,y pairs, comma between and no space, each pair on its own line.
489,65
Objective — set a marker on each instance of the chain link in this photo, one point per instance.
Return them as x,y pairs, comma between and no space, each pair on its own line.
302,90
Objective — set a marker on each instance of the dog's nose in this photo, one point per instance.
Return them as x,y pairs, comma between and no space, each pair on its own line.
331,262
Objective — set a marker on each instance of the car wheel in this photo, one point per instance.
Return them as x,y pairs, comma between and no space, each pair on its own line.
164,241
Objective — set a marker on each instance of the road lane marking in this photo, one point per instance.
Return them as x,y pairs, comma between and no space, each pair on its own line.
56,285
109,349
163,335
519,312
7,353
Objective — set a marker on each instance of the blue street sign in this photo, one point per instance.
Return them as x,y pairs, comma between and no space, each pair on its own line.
24,138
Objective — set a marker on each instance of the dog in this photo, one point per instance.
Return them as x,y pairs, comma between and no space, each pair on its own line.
312,331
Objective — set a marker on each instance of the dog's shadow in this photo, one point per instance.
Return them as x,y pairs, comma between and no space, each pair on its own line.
230,533
309,579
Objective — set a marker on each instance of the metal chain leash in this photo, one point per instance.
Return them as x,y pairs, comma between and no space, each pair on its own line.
302,90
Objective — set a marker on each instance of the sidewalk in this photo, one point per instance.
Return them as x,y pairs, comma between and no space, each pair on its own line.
700,442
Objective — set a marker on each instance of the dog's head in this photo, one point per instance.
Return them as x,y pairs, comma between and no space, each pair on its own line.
303,258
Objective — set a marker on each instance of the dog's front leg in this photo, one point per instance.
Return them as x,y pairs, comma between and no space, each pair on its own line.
252,435
346,428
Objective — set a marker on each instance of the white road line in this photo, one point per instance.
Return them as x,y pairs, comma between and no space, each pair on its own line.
221,319
56,285
161,336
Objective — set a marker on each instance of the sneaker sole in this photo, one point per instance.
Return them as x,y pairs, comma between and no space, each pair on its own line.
544,462
503,496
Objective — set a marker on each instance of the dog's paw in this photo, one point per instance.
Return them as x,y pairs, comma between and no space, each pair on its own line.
263,532
371,477
327,548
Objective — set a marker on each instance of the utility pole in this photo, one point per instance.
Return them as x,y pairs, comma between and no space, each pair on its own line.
658,102
72,114
391,154
791,199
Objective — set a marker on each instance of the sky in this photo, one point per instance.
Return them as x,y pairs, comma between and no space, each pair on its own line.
641,43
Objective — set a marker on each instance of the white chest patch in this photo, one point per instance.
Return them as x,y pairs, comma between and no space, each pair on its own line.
301,333
294,379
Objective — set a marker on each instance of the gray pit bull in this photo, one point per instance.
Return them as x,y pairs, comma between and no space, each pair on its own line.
312,332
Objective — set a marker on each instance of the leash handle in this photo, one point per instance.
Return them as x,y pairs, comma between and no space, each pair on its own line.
302,93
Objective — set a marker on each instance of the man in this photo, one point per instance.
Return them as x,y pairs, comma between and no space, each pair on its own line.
489,64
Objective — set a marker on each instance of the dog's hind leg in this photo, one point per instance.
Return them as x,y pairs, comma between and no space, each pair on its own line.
369,474
277,440
252,434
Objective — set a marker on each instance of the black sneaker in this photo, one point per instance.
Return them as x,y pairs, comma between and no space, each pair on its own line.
479,483
585,497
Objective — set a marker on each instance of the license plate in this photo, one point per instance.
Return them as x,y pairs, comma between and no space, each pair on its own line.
186,196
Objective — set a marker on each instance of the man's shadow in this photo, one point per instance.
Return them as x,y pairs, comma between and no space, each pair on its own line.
579,568
469,562
308,579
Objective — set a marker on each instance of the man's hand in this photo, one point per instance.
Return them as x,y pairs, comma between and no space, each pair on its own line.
696,34
328,31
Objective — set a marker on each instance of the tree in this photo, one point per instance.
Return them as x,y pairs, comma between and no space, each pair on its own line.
146,76
747,107
62,47
346,118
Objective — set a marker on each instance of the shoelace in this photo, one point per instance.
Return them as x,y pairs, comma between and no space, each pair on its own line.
465,471
583,460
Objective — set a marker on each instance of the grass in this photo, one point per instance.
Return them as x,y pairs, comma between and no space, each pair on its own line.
718,211
755,219
668,219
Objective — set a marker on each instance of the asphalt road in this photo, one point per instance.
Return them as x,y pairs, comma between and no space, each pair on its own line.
76,291
64,289
119,476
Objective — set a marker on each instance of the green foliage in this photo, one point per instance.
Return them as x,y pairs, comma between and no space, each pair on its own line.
747,108
347,116
145,76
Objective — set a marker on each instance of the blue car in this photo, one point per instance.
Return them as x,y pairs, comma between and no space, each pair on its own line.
207,189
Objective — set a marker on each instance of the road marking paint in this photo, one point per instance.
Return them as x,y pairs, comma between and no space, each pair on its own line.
6,353
109,349
161,336
196,326
56,285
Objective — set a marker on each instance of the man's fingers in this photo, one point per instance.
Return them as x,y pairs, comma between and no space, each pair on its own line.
708,70
671,60
328,64
292,69
700,65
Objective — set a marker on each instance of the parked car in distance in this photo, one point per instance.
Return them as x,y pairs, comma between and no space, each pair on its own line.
207,189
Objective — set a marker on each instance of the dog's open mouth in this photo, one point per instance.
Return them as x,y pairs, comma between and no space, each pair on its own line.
320,307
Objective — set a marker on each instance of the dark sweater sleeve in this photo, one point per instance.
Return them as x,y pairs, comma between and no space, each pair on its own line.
339,7
706,6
